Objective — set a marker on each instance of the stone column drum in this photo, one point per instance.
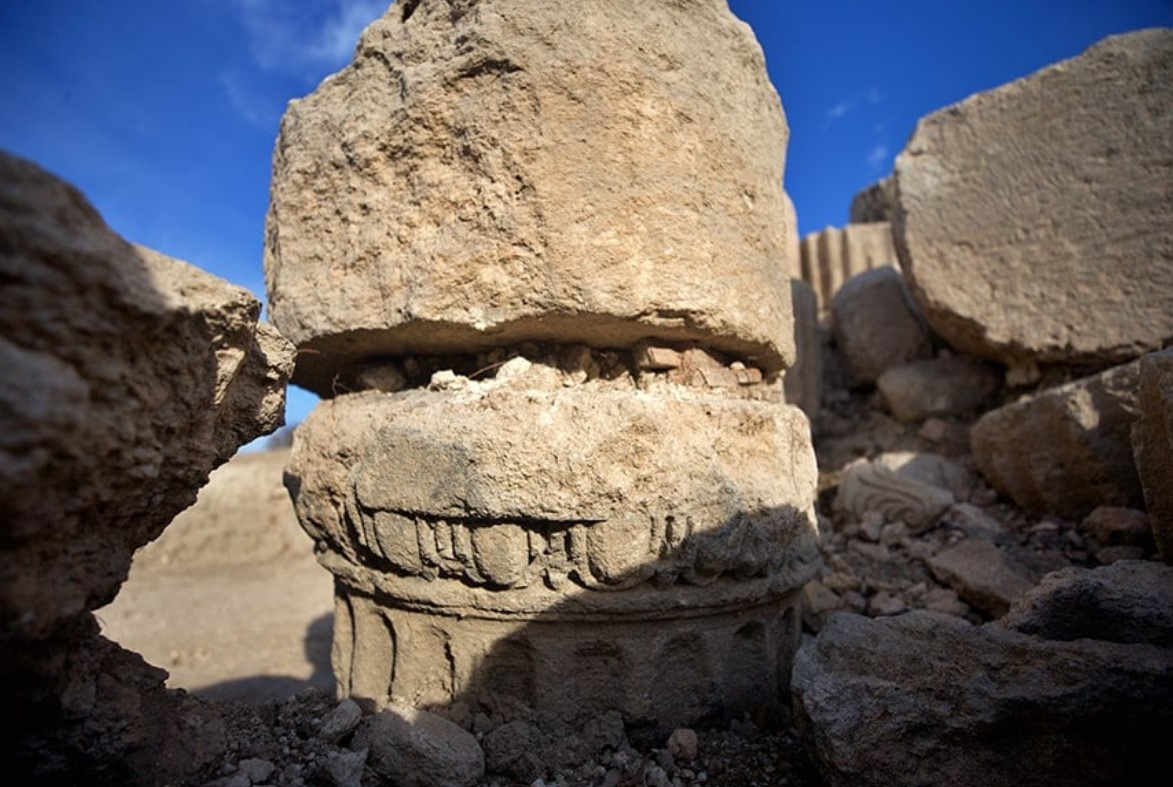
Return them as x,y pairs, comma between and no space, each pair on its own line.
529,252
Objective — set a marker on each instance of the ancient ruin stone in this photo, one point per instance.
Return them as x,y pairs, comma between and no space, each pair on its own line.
982,574
803,382
1055,248
875,203
902,486
1065,450
128,377
414,748
937,386
1129,601
876,325
792,259
942,702
833,256
489,173
479,527
1152,445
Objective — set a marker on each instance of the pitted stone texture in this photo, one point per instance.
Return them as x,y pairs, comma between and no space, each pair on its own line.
1033,219
942,702
1152,445
128,377
832,257
1065,450
877,326
494,488
492,172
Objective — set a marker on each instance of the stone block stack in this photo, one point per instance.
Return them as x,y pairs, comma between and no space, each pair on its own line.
530,254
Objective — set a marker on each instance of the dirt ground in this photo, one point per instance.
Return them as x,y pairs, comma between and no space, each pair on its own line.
230,599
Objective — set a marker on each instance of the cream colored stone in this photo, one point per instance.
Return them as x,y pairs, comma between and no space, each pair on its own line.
833,256
515,170
1033,219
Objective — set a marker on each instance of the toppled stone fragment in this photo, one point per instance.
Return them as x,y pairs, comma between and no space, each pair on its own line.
895,493
982,574
415,748
937,386
1065,450
876,325
472,181
1033,220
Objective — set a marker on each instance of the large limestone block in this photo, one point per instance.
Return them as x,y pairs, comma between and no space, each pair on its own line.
803,382
942,702
833,256
508,170
128,377
937,387
875,202
1152,445
1033,220
1065,450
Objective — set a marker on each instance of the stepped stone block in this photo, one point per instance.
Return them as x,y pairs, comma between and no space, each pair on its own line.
831,257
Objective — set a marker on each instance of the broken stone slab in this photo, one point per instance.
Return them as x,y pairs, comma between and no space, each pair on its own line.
470,182
488,523
875,202
1152,445
982,574
1054,249
834,256
414,748
1065,450
876,325
803,382
128,377
943,702
903,486
1130,601
937,387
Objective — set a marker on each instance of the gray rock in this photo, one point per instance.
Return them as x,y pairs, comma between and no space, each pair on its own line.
515,748
1065,450
1152,445
876,325
414,748
340,722
1033,219
343,768
1129,601
941,702
937,386
982,574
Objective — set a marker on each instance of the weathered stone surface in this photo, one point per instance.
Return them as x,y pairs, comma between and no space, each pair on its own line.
902,486
876,325
875,203
1114,526
128,377
942,702
467,512
1152,445
1065,450
472,181
937,386
983,575
792,251
1055,248
803,382
414,748
832,257
1130,601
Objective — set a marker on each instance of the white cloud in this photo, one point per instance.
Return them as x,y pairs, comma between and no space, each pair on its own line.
877,156
258,111
839,110
293,38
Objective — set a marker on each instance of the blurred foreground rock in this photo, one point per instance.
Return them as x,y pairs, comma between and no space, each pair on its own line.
130,377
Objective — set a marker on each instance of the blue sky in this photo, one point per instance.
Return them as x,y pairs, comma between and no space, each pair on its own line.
164,112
